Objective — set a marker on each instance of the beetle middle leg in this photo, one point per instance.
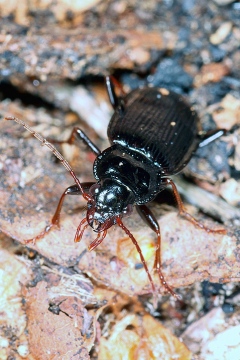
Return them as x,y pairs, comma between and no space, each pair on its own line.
152,222
185,214
71,190
78,134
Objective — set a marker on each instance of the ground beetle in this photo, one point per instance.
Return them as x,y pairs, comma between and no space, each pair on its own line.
153,134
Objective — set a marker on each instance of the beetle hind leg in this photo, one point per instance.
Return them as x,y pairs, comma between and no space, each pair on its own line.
186,215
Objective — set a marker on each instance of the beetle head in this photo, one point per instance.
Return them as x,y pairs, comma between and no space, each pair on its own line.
109,200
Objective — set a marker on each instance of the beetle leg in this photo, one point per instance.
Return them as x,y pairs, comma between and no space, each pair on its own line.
80,231
185,214
152,222
71,190
99,239
210,136
78,134
121,225
115,101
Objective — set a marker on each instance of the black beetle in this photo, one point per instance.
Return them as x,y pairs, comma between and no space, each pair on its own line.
153,134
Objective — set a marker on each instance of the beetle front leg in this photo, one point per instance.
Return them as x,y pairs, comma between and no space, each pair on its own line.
185,214
152,222
71,190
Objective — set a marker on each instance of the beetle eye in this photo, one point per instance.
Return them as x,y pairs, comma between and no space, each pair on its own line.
89,205
128,210
94,189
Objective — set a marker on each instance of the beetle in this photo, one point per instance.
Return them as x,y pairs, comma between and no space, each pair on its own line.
153,134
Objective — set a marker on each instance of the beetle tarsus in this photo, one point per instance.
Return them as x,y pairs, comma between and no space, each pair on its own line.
197,223
121,225
165,284
186,215
40,236
149,218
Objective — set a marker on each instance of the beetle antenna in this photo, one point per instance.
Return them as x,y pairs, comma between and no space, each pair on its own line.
58,155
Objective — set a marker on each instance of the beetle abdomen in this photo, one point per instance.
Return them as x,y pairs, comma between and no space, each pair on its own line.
160,124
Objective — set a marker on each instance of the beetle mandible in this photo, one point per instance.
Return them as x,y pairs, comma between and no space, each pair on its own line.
153,134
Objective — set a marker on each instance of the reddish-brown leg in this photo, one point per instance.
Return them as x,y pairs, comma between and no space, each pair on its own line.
71,190
99,239
119,222
152,222
80,230
185,214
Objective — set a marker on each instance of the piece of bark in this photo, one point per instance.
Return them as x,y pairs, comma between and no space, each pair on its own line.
230,191
226,114
57,52
13,274
138,338
51,335
61,9
208,202
212,72
214,336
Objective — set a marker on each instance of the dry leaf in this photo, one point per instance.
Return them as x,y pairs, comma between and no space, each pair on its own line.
136,338
55,336
13,273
